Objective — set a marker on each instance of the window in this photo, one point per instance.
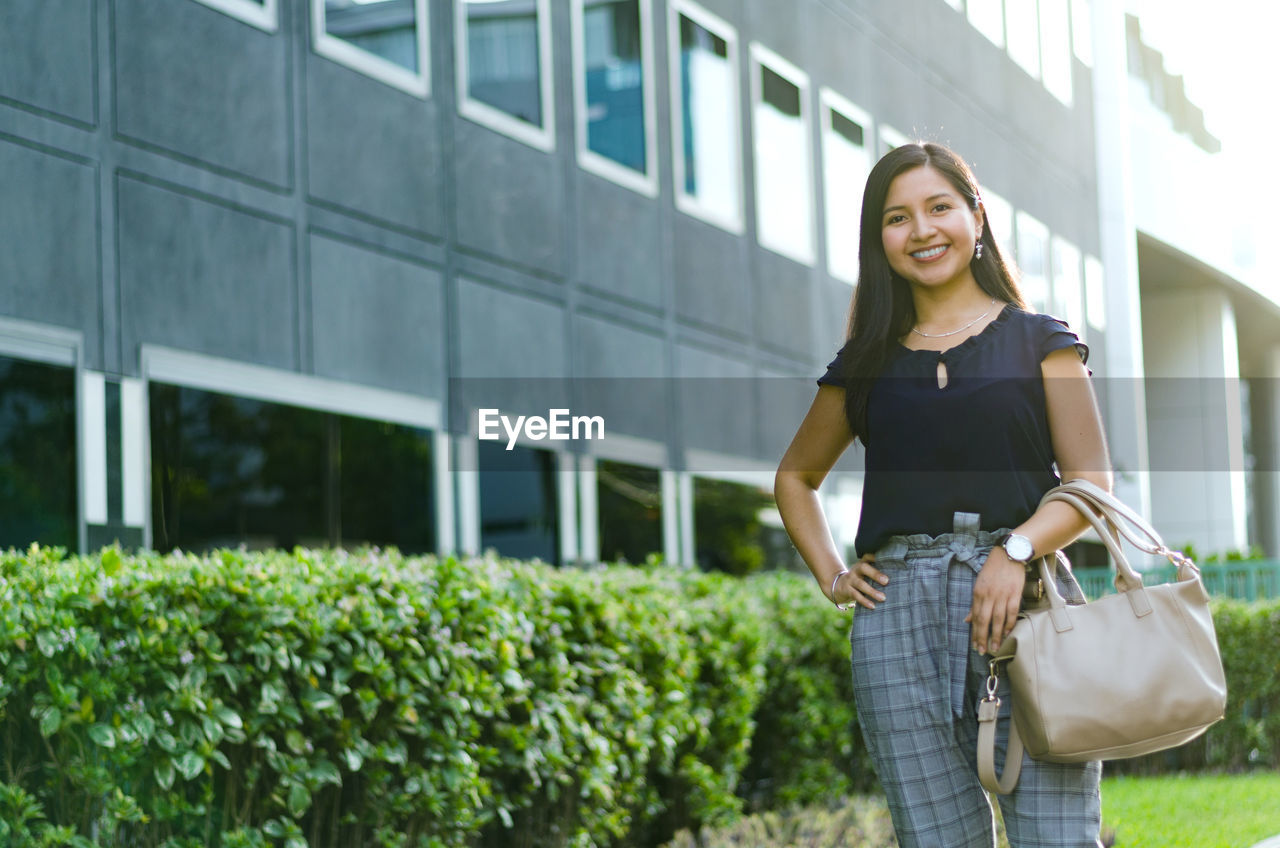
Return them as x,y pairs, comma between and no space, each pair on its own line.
1055,44
704,116
229,471
891,138
737,528
259,13
629,504
1022,19
386,39
783,161
1000,219
613,91
519,509
846,163
987,17
38,475
1068,285
1082,30
1033,260
503,50
1095,293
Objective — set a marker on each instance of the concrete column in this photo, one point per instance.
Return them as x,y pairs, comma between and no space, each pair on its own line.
1264,403
1124,408
588,510
567,506
1195,420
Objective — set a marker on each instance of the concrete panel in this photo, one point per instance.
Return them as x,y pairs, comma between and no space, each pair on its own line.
505,334
510,200
47,56
711,276
622,376
48,226
203,85
377,320
199,276
391,167
783,302
717,402
619,241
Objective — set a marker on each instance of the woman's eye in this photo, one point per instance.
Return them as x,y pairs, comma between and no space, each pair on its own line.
942,207
893,219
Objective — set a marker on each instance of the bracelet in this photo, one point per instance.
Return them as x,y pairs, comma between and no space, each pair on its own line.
841,573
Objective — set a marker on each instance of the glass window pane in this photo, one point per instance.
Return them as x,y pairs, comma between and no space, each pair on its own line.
728,532
987,17
784,196
503,68
708,92
1055,41
1022,18
846,162
629,500
230,471
1000,219
38,487
1033,261
1082,30
1095,293
519,510
385,28
615,83
1068,285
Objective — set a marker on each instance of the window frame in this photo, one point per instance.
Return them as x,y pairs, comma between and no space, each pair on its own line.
1082,31
543,137
888,138
370,64
759,58
1000,42
265,15
645,183
1023,220
45,345
1024,62
685,202
831,101
1056,73
319,394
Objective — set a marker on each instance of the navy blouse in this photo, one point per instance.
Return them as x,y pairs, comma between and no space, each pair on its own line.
980,444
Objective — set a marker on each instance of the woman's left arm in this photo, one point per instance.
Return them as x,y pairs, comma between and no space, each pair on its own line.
1080,449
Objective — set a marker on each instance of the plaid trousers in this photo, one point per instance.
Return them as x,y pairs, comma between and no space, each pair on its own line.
917,682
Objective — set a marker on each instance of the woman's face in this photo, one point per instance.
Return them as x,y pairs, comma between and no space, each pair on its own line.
928,230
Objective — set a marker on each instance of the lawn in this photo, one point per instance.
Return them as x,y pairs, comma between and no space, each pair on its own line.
1205,811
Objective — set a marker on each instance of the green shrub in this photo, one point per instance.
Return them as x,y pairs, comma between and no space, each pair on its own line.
857,822
332,699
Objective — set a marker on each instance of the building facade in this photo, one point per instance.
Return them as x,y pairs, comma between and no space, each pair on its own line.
268,261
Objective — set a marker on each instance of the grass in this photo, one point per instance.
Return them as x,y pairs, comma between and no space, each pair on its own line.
1207,811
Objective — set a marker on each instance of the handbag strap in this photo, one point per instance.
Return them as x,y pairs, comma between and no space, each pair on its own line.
988,718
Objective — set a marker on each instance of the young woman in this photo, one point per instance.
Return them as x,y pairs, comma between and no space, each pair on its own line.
964,401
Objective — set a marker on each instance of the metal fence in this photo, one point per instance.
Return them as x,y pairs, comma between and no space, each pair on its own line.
1245,580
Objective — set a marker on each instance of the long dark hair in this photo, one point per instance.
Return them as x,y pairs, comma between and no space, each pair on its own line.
883,311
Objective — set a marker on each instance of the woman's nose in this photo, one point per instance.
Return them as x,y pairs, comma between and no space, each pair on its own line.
922,228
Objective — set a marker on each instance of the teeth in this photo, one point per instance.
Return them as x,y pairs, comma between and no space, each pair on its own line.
930,253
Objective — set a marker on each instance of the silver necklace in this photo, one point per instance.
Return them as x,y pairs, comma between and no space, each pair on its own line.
959,330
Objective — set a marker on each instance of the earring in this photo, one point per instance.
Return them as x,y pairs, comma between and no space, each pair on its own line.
977,250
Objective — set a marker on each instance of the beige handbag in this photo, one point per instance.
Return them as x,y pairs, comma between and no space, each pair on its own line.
1122,676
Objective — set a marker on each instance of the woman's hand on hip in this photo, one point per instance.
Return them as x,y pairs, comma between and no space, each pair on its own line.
860,584
997,595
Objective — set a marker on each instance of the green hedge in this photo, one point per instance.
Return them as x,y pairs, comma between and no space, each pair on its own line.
332,699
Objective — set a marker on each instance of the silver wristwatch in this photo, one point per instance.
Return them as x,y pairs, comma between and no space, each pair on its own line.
1018,548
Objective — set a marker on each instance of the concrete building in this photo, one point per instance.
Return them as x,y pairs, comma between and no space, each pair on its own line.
266,261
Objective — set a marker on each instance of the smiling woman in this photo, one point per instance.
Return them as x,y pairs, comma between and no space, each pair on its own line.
967,404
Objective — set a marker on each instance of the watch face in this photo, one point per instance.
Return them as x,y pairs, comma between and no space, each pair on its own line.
1018,548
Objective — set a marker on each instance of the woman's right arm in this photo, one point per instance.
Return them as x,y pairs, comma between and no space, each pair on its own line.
823,436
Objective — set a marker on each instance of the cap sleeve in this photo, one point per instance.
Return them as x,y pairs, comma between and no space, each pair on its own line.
835,371
1054,334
